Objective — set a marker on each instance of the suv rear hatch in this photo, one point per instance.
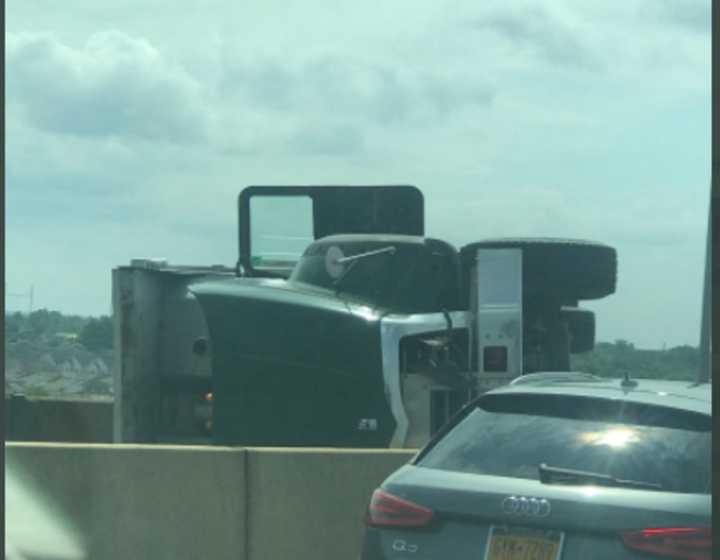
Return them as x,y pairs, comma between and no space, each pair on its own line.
483,478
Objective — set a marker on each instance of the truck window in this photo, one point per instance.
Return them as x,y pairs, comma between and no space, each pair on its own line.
281,227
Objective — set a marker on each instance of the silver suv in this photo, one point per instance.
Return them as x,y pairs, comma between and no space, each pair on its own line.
557,466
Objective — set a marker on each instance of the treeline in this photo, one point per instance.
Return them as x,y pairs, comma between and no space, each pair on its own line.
607,359
615,359
52,328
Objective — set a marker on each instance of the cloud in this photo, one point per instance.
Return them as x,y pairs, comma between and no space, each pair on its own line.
114,86
68,179
324,139
123,88
691,15
329,104
375,93
542,33
645,221
663,40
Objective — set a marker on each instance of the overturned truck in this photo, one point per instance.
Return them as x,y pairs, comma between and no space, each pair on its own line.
372,336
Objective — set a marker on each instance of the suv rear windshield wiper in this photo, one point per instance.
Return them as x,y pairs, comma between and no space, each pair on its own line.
557,475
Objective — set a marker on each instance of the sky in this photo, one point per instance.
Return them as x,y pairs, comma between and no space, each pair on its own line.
132,126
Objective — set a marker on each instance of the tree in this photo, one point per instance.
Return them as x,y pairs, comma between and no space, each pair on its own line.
615,359
97,334
13,325
624,345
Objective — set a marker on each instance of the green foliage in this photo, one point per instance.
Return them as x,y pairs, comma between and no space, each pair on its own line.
607,359
43,326
41,323
13,325
97,334
36,391
615,359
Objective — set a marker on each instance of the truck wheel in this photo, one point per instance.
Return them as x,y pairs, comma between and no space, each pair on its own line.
569,269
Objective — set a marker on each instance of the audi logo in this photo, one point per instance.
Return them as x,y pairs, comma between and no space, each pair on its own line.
526,507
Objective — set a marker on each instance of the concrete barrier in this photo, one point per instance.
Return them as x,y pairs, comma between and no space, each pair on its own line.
134,502
71,419
185,502
310,503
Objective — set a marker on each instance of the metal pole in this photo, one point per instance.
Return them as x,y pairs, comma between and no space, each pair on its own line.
705,325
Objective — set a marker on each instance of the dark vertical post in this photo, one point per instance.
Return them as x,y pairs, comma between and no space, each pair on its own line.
715,277
705,325
712,276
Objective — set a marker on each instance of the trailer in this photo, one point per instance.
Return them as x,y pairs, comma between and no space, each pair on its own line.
371,335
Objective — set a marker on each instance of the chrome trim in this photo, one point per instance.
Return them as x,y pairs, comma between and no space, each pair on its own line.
551,376
392,329
526,507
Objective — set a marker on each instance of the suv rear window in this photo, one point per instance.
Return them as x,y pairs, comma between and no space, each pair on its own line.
510,435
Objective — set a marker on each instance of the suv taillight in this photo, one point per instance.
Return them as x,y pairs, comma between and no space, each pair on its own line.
687,543
386,510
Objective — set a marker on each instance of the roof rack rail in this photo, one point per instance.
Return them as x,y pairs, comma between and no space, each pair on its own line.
559,376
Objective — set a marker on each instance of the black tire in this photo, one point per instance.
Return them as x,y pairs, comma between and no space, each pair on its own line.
581,327
567,269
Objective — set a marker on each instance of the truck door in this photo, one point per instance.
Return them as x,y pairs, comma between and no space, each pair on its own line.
267,248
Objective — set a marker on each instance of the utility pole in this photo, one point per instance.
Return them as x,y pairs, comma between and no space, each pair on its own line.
29,295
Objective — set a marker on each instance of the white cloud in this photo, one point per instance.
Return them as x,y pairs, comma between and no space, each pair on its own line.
328,103
354,89
115,86
542,33
689,15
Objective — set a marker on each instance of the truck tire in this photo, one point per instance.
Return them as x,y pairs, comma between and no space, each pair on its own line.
569,269
581,327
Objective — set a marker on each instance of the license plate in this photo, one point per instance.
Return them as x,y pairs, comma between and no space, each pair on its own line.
518,543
